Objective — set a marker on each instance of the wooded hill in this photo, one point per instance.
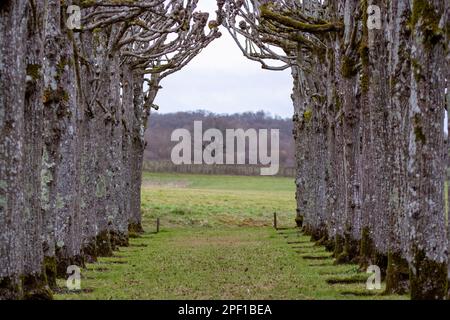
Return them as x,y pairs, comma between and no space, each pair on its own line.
161,126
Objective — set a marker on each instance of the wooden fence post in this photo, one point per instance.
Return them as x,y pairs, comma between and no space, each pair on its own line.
157,225
275,220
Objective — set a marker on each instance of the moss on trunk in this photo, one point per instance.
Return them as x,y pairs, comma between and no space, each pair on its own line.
381,260
317,234
396,274
322,241
10,288
35,287
63,261
306,229
338,245
428,280
118,239
330,244
50,271
366,249
135,228
299,220
103,244
349,250
90,251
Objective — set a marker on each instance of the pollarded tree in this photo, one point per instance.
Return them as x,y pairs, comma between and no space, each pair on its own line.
158,42
175,54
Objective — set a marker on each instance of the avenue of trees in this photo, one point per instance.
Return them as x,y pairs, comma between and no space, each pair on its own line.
369,99
369,94
74,101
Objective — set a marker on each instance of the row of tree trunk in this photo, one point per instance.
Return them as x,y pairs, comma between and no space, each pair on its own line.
371,142
73,111
67,195
370,80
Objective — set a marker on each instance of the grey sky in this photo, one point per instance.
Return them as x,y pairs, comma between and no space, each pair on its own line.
222,80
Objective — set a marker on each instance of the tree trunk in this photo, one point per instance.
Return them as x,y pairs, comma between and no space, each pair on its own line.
13,38
35,280
425,209
115,185
350,91
397,123
137,152
60,185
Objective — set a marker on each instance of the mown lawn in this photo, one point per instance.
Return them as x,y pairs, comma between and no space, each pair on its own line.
217,242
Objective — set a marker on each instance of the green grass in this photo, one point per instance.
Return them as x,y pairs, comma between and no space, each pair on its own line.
211,201
216,242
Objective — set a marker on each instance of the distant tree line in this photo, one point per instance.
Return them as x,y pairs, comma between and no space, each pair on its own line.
224,169
158,136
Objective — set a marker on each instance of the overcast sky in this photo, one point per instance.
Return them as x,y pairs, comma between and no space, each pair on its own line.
220,79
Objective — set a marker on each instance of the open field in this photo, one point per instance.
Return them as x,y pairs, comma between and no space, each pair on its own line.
217,242
204,200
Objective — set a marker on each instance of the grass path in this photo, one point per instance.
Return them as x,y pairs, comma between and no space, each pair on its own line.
230,263
217,243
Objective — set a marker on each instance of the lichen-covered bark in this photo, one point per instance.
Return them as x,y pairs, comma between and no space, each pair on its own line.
72,121
300,150
350,90
425,207
34,278
61,161
89,151
127,118
115,181
137,149
13,35
396,141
